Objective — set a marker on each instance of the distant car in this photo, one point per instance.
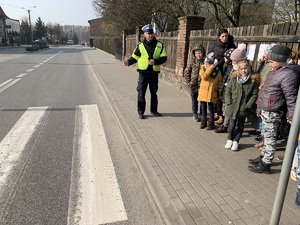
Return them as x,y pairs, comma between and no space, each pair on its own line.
40,43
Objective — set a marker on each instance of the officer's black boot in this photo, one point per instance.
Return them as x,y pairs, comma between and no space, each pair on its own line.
256,160
261,167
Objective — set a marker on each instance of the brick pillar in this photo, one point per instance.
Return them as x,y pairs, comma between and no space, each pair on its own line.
186,24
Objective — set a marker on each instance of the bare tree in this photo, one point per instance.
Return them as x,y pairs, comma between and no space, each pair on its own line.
285,10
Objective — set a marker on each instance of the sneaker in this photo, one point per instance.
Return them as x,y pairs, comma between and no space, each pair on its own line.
196,118
293,174
142,117
297,200
222,129
235,146
228,144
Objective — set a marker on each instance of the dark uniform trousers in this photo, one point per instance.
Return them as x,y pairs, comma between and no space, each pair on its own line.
143,81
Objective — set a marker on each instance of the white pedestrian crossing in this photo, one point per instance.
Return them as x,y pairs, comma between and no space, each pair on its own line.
100,201
95,197
12,145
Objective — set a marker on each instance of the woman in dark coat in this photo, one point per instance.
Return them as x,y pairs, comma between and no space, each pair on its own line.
220,46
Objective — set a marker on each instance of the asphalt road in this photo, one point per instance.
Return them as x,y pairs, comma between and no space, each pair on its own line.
63,156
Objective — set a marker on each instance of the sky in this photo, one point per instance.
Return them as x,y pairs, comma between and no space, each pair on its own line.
63,12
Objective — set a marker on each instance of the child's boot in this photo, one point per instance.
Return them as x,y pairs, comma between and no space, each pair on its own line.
216,116
210,125
219,121
203,124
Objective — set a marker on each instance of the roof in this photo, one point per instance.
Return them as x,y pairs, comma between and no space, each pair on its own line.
2,13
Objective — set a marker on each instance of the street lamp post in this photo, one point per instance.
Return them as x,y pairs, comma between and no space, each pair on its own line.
30,26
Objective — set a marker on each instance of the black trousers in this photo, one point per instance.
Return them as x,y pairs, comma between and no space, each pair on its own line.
240,129
144,80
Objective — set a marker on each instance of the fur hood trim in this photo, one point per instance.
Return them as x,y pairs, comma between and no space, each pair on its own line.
255,77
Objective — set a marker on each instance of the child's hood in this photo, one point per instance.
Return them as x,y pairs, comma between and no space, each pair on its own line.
199,48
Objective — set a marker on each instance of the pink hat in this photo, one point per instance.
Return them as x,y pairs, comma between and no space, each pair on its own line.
239,53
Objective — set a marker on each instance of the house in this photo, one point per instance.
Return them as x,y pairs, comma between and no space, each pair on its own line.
9,29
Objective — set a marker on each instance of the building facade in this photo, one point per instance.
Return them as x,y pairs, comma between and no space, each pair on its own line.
9,30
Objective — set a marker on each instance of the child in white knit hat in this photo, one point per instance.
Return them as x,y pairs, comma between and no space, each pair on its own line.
235,56
211,80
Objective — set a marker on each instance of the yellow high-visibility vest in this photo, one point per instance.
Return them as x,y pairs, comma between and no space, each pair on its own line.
142,61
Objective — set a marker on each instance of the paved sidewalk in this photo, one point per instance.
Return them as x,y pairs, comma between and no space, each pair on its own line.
193,178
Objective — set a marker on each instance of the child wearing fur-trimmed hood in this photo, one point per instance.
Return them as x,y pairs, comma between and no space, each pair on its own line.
240,97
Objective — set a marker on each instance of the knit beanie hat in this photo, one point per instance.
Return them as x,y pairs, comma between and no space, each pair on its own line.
227,54
268,48
279,53
239,53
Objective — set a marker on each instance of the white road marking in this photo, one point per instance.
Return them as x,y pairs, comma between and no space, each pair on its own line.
6,82
14,142
21,75
9,84
99,200
36,66
29,70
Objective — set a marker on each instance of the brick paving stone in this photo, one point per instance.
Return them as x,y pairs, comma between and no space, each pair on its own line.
249,198
246,217
223,218
194,210
213,205
199,202
230,212
210,216
266,213
235,194
171,192
201,221
232,202
221,190
164,180
193,181
190,190
191,163
182,179
249,208
217,198
261,220
179,206
202,192
169,174
176,184
187,218
183,195
207,186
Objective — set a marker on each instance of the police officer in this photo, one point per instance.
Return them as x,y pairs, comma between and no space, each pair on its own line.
149,55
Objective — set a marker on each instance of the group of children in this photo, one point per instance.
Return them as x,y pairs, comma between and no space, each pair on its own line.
270,92
233,88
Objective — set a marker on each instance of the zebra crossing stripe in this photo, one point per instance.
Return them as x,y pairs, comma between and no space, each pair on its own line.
99,200
16,139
